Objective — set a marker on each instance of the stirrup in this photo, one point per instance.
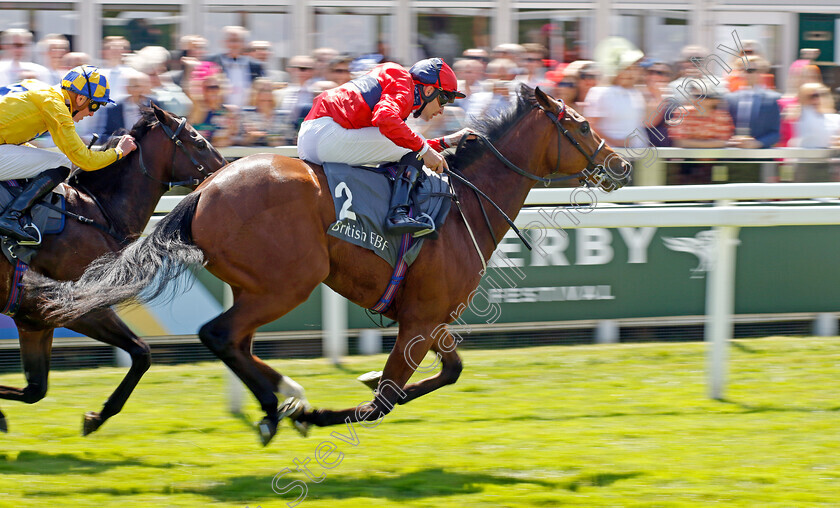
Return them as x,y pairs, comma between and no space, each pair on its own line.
427,219
37,235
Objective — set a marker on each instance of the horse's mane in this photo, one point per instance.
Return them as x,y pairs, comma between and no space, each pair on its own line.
112,171
494,127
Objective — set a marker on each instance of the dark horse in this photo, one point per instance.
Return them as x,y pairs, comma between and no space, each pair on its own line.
260,225
122,196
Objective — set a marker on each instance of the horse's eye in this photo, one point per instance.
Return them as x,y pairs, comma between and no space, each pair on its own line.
584,128
201,144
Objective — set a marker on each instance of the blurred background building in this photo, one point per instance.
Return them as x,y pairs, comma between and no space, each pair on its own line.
405,30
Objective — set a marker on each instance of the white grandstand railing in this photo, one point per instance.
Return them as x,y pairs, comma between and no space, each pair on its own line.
735,206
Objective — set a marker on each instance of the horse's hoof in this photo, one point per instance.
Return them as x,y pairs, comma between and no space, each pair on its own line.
90,422
267,430
371,379
301,427
292,408
4,428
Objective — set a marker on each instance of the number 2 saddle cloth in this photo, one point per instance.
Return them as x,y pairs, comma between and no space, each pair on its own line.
362,196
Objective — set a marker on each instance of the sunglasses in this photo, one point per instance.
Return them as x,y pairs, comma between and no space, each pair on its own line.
588,76
533,59
566,84
750,70
658,72
445,97
303,68
18,44
341,70
212,87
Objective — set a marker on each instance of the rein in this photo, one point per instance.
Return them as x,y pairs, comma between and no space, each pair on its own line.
591,166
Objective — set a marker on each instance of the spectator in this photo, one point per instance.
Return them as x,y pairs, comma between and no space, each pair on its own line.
815,120
114,50
339,69
240,70
657,76
754,109
211,117
296,98
479,55
500,72
586,73
737,80
55,46
151,61
193,50
816,125
531,64
564,87
471,73
321,58
709,126
15,65
789,102
617,112
262,53
126,112
262,122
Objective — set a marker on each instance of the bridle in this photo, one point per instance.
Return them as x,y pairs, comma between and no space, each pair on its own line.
592,167
173,136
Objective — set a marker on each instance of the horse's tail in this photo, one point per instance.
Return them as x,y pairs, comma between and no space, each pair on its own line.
139,272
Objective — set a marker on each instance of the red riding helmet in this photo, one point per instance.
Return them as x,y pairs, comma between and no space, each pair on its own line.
434,72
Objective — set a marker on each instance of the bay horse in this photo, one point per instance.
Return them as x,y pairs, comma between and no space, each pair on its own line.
260,225
120,199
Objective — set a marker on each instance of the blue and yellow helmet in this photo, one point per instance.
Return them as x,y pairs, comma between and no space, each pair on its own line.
88,81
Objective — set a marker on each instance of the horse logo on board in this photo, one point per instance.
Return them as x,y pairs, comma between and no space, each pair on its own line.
701,245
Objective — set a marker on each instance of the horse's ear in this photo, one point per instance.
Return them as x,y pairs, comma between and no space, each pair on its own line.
159,113
545,101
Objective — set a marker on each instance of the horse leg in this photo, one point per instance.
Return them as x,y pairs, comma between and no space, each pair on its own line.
413,342
282,383
35,349
229,337
105,326
450,371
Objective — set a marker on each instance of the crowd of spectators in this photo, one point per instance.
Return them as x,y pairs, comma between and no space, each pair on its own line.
241,96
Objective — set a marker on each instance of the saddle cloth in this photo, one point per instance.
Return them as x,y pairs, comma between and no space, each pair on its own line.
362,195
49,221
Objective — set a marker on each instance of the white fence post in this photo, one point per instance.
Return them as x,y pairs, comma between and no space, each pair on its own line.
334,322
607,331
825,325
720,304
370,341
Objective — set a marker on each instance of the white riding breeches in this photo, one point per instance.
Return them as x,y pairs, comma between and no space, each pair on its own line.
323,140
17,161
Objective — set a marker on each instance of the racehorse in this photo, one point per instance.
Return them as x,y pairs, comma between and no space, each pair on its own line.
260,224
120,199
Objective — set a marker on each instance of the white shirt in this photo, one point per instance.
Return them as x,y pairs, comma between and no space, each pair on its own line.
239,75
814,129
622,113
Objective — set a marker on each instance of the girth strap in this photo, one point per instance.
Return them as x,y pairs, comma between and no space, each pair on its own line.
13,304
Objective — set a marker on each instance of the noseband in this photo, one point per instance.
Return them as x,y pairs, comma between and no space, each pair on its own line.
173,136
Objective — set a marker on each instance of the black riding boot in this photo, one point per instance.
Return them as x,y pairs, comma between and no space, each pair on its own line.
398,221
34,190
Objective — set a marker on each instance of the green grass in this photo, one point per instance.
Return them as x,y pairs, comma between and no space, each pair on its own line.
617,426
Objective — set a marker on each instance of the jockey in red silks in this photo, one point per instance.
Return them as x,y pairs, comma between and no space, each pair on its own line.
363,123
